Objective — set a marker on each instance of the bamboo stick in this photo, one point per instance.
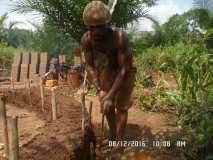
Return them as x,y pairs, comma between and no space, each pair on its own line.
83,112
13,138
29,93
25,84
54,106
102,127
42,94
90,112
3,117
12,84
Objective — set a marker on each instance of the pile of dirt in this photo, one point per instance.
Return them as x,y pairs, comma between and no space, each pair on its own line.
57,140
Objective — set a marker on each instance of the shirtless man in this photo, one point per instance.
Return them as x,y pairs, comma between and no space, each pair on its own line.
109,64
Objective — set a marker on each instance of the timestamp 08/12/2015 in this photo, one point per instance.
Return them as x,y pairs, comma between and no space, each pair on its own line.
143,143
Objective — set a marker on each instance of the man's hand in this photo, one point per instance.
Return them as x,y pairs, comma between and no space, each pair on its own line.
105,101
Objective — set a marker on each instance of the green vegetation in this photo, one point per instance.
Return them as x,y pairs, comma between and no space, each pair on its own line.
45,38
67,15
6,53
182,49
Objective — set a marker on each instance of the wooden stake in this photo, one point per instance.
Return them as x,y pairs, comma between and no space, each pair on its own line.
25,84
102,127
90,112
29,93
83,112
12,84
13,138
54,106
3,118
42,94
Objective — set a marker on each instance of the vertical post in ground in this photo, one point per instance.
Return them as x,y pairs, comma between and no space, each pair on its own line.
3,119
29,93
25,84
42,94
102,127
90,112
12,84
13,138
83,112
54,105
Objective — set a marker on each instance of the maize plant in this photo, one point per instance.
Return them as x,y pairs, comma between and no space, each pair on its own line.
195,102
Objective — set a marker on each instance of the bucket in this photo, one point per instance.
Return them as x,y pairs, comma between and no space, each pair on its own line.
51,83
73,79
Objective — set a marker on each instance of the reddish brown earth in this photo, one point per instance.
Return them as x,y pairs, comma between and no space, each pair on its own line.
57,140
142,125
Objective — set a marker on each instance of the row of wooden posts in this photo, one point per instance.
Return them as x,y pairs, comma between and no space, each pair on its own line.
27,85
10,132
10,124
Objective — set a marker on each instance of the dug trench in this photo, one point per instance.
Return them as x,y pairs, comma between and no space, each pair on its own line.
61,139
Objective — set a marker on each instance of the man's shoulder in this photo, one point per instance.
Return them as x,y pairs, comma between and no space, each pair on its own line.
119,32
85,39
121,38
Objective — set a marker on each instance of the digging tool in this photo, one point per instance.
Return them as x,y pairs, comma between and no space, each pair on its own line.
107,103
102,127
83,94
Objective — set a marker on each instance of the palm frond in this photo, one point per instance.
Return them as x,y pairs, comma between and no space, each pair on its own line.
12,24
3,18
112,4
206,4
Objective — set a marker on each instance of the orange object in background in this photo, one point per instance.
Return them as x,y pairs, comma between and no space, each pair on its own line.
77,52
51,83
142,158
73,79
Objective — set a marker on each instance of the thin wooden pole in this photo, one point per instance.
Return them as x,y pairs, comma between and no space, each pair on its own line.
29,93
90,112
83,112
12,84
42,94
13,138
54,105
25,84
3,118
102,127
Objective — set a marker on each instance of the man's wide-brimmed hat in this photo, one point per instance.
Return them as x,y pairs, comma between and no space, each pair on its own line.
96,13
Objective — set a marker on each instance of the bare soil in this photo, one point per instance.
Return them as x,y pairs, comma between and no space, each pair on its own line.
55,140
142,125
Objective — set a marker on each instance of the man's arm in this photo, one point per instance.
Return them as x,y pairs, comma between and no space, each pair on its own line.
123,51
89,61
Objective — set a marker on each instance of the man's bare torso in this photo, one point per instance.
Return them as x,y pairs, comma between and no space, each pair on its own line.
104,55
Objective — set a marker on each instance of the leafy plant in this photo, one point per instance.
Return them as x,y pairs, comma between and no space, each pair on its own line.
67,15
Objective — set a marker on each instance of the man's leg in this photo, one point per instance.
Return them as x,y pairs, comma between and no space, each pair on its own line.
122,116
111,119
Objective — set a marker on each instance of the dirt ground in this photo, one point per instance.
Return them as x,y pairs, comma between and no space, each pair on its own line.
142,125
41,138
